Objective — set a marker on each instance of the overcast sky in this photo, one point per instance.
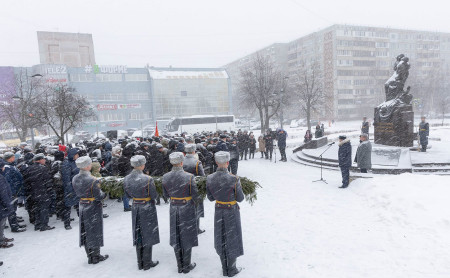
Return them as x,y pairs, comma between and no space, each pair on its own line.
196,33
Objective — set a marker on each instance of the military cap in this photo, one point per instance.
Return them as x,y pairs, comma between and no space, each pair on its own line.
83,162
7,155
190,148
176,158
23,144
137,160
159,146
342,137
27,150
223,136
222,157
38,157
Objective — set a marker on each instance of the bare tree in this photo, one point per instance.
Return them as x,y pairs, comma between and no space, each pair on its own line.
308,89
259,84
16,109
61,109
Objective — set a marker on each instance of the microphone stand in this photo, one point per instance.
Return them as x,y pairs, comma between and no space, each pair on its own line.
321,164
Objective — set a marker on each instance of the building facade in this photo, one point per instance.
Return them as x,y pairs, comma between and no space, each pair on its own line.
356,61
71,49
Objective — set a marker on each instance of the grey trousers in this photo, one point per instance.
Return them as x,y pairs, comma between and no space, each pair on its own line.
2,229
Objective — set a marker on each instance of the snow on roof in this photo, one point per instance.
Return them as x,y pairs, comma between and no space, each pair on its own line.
185,74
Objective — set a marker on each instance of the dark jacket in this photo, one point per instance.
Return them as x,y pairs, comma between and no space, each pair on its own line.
345,153
40,182
281,138
124,165
424,132
221,146
225,187
252,144
69,170
364,155
15,179
234,152
268,138
365,127
183,217
6,207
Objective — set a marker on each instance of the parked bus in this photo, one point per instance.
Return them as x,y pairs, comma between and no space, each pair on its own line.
195,124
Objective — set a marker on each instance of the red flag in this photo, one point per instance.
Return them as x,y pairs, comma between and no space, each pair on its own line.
156,130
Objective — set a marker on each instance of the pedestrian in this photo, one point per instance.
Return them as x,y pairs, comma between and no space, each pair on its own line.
41,186
195,167
363,156
261,145
181,188
234,156
318,133
268,138
252,146
124,168
87,189
141,188
69,171
226,190
308,136
6,207
15,181
424,132
345,159
365,126
281,138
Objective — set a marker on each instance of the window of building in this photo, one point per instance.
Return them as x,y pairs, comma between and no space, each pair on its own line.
344,53
110,97
107,117
382,45
345,82
344,63
364,63
346,101
77,77
108,77
136,77
140,116
345,91
138,96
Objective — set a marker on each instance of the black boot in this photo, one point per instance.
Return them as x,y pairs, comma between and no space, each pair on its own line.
147,258
232,269
96,257
200,231
179,257
139,257
223,259
89,254
187,265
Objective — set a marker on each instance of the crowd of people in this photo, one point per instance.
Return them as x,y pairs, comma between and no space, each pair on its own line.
42,180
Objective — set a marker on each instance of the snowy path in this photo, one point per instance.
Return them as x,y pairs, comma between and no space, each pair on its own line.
389,226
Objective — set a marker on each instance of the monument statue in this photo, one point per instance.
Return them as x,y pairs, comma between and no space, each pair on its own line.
394,118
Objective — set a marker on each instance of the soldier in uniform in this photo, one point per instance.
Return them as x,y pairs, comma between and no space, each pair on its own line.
181,188
87,188
194,166
142,190
365,127
424,132
227,219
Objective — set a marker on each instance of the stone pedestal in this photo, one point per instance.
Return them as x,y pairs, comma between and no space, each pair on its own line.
398,130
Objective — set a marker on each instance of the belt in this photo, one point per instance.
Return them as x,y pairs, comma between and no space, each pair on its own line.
232,203
142,199
87,199
184,198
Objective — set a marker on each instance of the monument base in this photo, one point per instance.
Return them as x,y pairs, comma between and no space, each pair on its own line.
398,130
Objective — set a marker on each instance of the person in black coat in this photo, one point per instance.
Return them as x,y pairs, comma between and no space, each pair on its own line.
234,157
345,159
41,186
365,126
58,186
222,144
141,188
268,138
251,146
281,138
6,207
424,132
124,168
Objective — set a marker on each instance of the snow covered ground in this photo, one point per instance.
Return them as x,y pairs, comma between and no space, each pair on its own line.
388,226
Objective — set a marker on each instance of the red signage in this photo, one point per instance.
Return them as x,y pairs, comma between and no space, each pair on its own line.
116,124
101,107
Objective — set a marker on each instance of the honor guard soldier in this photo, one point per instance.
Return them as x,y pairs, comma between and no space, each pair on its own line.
181,188
226,190
194,166
424,132
141,188
87,188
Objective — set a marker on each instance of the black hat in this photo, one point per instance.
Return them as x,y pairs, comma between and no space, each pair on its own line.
223,136
342,137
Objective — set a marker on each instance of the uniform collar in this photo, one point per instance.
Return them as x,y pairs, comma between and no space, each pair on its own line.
84,172
222,170
176,168
138,171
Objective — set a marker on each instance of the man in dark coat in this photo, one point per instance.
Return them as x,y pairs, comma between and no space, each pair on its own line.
15,181
141,188
345,159
41,187
226,190
365,126
281,138
424,132
181,188
222,144
58,186
124,167
268,138
194,166
234,157
144,151
87,188
251,146
69,170
6,207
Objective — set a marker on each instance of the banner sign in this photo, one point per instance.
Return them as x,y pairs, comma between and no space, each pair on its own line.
106,69
101,107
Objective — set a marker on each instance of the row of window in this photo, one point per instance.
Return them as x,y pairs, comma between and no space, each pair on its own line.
362,53
108,117
82,77
356,33
356,82
358,91
356,63
383,73
116,96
